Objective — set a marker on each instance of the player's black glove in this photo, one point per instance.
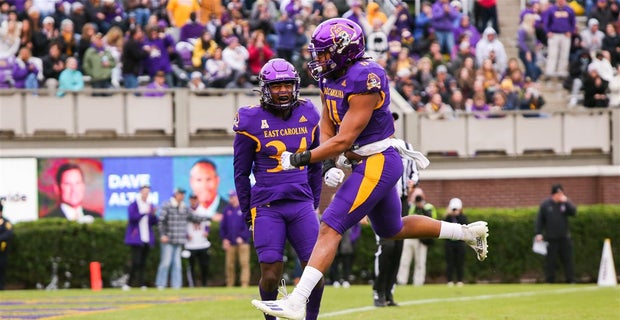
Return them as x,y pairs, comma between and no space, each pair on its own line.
328,164
294,160
248,222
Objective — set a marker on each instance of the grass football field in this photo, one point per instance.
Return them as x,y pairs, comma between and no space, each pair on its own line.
473,301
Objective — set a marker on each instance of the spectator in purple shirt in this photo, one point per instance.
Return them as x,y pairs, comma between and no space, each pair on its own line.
161,45
235,241
158,86
6,72
113,15
442,23
356,13
25,71
18,4
287,34
560,24
533,7
480,107
139,236
293,8
465,27
404,20
192,29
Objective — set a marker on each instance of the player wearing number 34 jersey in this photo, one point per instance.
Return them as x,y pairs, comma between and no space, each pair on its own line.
281,205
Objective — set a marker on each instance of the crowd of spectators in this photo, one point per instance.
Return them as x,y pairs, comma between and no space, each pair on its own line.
440,60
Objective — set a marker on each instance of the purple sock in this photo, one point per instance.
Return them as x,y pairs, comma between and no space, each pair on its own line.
314,302
268,296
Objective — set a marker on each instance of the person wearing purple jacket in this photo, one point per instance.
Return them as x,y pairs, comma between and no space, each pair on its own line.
158,87
281,204
6,72
287,33
534,7
192,29
160,46
356,13
19,5
293,8
25,71
466,28
139,236
113,14
560,24
442,23
235,241
404,20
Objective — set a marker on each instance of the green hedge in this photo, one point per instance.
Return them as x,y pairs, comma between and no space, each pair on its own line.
510,257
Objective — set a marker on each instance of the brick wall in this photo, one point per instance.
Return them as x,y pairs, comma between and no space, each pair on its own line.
521,192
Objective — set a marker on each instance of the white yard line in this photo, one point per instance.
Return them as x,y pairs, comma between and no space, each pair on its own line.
471,298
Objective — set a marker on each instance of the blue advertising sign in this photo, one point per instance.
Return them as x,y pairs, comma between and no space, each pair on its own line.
123,178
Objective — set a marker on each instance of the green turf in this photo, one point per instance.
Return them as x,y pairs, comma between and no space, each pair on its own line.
495,301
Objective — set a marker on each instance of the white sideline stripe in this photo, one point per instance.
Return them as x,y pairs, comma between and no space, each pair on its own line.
472,298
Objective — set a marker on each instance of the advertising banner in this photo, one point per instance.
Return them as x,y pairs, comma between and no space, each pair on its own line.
209,178
83,189
125,176
18,189
70,188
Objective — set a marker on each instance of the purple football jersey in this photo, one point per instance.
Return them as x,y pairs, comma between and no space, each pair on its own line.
260,139
362,77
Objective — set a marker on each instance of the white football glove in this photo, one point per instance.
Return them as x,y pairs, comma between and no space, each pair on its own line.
333,177
285,159
343,162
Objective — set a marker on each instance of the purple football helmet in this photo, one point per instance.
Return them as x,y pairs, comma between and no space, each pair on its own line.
342,38
278,71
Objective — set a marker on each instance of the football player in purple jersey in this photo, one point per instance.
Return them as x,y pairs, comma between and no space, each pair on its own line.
282,203
357,122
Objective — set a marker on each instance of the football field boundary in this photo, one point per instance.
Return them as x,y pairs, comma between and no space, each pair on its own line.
462,299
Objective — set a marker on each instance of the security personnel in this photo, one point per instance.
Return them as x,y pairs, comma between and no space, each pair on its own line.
6,234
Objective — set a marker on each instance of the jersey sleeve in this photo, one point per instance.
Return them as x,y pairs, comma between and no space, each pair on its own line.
368,77
242,122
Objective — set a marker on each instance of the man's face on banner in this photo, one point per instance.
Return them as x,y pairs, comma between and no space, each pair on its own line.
204,182
72,188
